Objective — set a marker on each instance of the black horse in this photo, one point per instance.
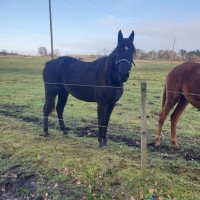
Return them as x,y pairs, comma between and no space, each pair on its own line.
100,81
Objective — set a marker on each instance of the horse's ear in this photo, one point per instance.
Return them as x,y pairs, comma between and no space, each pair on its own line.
131,37
120,36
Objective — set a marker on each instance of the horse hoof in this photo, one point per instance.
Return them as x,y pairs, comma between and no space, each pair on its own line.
176,147
64,130
46,135
103,144
65,133
157,141
157,144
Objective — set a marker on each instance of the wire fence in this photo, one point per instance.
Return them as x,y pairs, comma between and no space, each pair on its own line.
112,126
113,87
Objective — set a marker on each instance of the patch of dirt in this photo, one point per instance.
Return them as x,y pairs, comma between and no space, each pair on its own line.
14,108
18,185
85,132
167,152
127,141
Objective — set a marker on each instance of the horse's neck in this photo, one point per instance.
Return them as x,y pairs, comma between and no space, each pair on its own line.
106,72
111,59
111,70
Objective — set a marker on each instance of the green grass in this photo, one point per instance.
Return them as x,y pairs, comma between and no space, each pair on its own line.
75,167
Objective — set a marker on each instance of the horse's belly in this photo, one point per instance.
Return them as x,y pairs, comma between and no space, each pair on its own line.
83,94
84,98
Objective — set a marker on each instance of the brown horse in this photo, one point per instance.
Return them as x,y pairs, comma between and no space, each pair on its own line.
182,87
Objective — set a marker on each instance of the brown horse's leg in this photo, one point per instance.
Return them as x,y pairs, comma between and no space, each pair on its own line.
163,115
62,100
101,111
182,104
47,109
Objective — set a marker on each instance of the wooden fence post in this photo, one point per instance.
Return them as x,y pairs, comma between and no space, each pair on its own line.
143,127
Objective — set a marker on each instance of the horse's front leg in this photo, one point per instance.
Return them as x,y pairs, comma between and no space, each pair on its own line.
101,111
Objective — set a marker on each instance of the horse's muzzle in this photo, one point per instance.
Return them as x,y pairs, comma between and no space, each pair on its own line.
124,78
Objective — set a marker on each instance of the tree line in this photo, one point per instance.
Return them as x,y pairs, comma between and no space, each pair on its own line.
146,55
182,55
168,55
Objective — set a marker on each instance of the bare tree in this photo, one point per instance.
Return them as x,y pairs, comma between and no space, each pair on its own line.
42,51
151,55
182,53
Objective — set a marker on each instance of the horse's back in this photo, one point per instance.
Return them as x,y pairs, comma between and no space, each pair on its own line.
52,73
55,68
185,68
77,77
186,73
184,80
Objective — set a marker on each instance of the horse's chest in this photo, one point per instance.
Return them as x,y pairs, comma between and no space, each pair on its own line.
114,94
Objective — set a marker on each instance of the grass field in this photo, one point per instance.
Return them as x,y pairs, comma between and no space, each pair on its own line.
73,167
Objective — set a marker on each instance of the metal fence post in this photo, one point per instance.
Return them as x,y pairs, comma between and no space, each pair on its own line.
143,126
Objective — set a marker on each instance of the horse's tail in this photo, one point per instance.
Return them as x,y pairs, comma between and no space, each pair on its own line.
164,97
50,109
53,110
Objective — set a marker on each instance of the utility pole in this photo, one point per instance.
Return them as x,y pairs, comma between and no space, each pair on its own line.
51,32
174,43
173,48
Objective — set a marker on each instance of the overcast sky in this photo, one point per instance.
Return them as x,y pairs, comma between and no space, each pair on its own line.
89,26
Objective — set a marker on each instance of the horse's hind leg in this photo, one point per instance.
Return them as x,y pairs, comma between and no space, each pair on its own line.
163,115
62,100
182,104
48,108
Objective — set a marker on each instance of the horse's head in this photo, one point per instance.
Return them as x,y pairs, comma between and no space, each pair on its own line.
124,56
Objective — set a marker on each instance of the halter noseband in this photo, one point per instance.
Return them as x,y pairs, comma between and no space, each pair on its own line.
123,60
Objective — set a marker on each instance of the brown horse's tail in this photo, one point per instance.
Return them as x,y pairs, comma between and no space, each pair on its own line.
164,97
